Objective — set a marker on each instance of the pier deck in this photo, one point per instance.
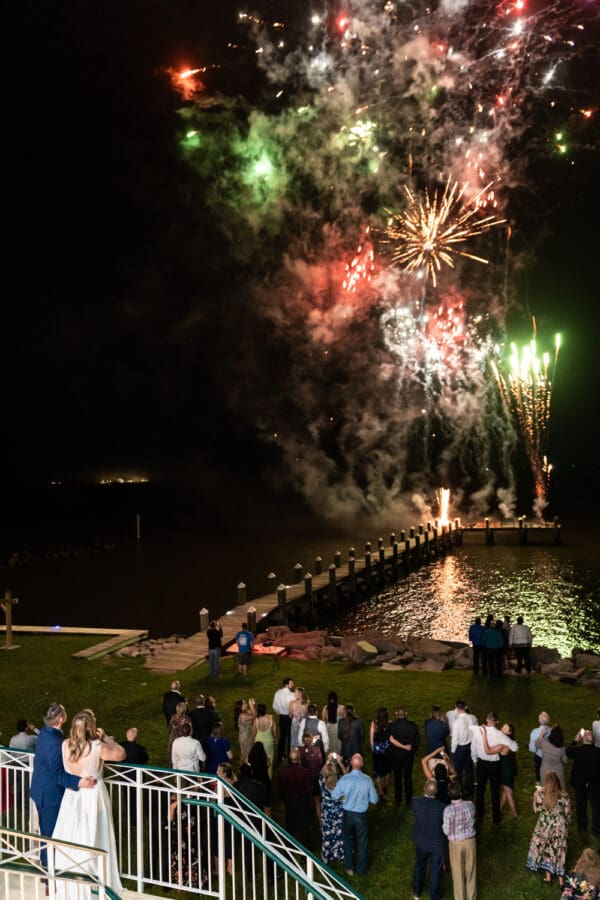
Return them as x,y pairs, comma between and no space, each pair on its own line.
412,550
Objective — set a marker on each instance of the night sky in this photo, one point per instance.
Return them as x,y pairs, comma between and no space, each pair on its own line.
121,288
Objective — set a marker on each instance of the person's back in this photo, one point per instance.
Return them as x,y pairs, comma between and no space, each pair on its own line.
187,754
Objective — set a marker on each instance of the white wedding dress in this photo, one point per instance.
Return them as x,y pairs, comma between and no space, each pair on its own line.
85,817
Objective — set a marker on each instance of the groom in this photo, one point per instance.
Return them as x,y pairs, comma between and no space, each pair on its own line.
49,779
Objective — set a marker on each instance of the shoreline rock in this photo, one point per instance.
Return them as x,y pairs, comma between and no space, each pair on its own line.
393,654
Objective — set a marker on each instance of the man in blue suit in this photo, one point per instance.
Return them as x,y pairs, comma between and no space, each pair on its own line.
49,780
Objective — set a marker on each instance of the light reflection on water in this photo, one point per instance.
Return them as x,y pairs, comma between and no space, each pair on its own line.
555,590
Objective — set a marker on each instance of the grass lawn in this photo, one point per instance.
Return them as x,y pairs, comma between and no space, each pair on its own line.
122,693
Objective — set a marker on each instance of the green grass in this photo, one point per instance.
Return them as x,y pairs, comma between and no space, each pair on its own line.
123,693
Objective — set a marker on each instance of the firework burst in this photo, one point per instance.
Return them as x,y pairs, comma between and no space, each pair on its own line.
427,233
526,391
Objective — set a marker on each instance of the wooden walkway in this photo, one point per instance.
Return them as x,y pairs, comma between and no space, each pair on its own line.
546,534
117,637
415,548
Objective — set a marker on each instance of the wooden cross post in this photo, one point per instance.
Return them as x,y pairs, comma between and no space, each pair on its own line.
6,604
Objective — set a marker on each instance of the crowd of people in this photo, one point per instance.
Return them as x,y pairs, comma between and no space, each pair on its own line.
315,762
312,760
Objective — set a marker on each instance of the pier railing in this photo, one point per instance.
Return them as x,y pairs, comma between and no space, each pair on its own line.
184,831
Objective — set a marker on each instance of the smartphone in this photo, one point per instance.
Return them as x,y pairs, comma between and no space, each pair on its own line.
582,732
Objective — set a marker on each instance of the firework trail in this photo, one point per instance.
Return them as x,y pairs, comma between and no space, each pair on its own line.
526,390
373,381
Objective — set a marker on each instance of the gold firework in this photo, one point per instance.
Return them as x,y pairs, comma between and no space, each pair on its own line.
426,233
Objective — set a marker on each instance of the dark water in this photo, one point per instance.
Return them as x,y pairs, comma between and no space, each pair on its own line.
556,589
78,563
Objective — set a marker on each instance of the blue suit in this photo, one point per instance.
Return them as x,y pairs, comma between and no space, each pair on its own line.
49,779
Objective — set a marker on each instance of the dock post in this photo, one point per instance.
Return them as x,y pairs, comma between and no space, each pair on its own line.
522,530
318,565
392,538
368,563
436,540
282,602
352,575
251,619
352,552
407,554
272,582
333,583
382,564
418,557
489,532
556,536
241,589
411,533
297,573
367,546
421,529
379,543
204,618
337,559
310,599
402,537
395,560
426,550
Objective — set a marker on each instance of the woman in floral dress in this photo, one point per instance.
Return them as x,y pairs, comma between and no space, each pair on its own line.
548,846
176,721
583,883
332,844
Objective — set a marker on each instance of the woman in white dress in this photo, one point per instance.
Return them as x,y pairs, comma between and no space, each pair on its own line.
85,817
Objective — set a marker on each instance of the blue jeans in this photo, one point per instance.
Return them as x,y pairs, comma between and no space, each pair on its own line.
214,657
436,862
355,828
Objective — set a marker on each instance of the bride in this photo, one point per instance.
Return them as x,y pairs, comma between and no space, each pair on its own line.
85,817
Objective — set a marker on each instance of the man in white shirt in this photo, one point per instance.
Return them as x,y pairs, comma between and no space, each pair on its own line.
281,705
26,736
460,745
186,752
596,729
520,639
488,764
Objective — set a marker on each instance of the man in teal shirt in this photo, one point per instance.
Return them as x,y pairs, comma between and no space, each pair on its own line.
357,791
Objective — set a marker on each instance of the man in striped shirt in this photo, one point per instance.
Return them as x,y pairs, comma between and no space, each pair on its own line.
459,827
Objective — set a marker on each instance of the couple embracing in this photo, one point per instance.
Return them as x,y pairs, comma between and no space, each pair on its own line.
69,793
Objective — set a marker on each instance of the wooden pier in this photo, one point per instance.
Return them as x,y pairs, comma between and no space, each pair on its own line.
365,574
523,532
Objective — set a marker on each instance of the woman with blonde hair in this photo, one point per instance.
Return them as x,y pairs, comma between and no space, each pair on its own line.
298,711
332,811
175,727
85,817
583,882
548,845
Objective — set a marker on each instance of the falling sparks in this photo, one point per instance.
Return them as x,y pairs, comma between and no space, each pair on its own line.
361,268
427,233
526,390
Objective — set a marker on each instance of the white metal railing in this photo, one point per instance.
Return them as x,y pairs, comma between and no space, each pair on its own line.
22,874
190,832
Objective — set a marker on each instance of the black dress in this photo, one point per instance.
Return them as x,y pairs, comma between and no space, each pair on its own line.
508,768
